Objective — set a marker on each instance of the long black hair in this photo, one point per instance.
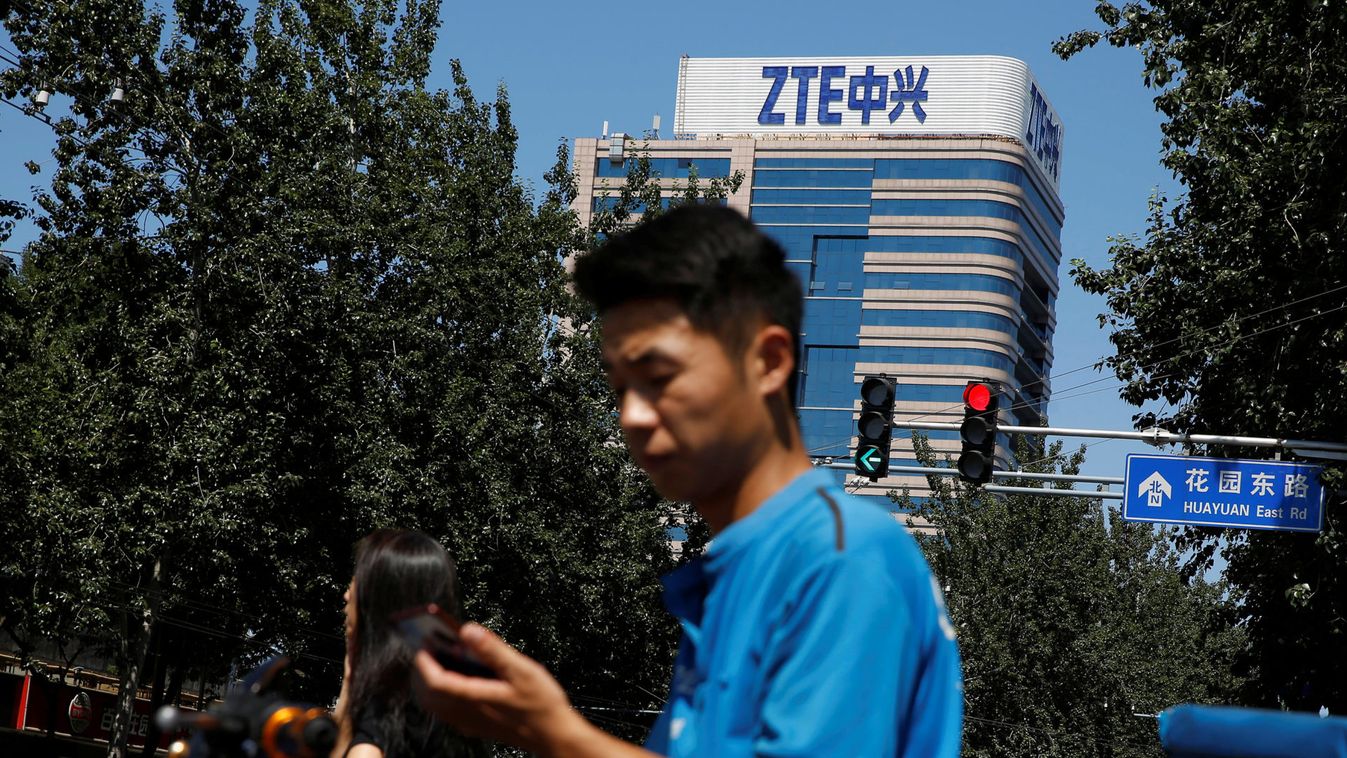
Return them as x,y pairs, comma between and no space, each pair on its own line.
397,569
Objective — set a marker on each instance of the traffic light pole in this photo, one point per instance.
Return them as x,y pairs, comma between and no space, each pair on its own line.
1048,491
981,425
941,471
1153,436
1052,492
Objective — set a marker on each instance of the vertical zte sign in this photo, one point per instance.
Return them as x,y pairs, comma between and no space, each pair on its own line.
1043,135
885,96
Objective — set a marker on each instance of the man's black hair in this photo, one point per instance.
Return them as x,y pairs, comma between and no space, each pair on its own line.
727,275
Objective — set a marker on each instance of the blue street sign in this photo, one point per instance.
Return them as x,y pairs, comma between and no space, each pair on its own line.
1239,494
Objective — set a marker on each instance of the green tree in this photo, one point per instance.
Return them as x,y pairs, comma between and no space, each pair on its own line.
1231,305
1069,619
14,443
642,196
283,294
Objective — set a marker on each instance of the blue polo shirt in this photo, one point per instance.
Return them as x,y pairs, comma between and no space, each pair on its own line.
811,627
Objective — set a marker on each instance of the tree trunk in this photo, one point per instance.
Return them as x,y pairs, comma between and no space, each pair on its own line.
174,695
135,644
156,692
52,692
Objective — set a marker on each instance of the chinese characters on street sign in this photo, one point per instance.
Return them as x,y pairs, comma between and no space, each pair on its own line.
1239,494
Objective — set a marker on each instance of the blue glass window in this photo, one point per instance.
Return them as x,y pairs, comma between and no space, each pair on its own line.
836,394
969,168
935,356
938,319
708,168
838,261
977,245
990,208
919,281
811,197
947,168
806,178
610,202
799,241
814,162
947,208
810,215
831,322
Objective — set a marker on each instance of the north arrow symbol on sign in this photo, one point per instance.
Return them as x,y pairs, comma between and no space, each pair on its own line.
1155,488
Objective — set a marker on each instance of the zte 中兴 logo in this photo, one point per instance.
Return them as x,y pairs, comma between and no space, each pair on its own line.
866,93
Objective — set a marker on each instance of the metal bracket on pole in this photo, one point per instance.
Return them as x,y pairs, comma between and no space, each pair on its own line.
1323,454
941,471
1052,492
1151,436
1045,491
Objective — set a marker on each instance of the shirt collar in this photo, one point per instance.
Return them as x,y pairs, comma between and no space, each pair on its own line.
685,587
748,529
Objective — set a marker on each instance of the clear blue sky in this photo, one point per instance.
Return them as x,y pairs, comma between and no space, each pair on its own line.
569,66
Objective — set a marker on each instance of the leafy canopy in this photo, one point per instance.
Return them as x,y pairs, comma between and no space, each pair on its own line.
1069,619
1233,304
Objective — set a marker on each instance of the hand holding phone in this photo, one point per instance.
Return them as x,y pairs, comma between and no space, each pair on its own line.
430,628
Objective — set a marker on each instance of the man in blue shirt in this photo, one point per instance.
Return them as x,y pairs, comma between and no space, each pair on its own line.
812,625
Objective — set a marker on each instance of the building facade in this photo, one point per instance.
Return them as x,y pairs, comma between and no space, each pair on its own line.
917,200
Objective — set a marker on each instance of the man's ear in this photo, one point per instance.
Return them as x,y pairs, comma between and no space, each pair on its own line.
774,358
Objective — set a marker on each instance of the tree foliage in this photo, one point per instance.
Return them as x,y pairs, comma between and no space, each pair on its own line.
285,293
1233,304
1070,620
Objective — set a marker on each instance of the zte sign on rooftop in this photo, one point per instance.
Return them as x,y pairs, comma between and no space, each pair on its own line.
937,95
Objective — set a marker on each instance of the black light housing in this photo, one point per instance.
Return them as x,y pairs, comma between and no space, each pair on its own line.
977,434
874,427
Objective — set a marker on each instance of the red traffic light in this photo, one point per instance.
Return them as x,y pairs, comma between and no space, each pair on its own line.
977,396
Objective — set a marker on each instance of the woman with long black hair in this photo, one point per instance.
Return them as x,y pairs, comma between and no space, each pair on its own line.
394,569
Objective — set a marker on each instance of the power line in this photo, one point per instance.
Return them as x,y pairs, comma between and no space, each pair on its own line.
1012,725
617,710
1059,455
1233,341
143,88
42,117
1200,332
1210,329
611,721
593,699
200,605
174,621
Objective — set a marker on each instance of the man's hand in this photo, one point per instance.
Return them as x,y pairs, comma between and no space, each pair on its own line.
525,707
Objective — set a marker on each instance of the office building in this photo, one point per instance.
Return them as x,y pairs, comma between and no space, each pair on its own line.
917,200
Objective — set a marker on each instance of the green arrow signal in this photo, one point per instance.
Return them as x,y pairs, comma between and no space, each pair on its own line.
866,459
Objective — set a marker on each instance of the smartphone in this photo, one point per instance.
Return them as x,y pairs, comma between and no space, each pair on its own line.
431,628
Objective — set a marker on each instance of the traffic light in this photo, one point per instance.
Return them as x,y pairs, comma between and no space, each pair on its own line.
978,432
874,428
